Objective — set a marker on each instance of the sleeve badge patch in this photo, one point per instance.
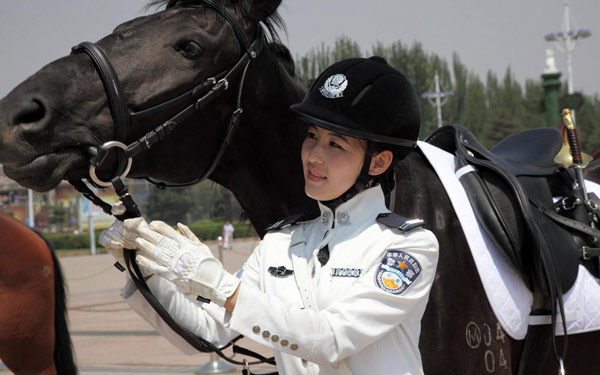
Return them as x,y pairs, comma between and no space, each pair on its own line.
398,270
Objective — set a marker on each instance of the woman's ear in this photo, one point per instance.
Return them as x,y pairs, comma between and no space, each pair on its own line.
380,162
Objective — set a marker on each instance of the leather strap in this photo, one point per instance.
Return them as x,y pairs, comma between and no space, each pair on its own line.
112,87
574,224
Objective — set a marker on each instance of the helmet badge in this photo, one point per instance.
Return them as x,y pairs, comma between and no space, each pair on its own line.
334,86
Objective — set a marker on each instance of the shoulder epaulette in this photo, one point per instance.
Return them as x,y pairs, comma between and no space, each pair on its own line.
290,220
393,220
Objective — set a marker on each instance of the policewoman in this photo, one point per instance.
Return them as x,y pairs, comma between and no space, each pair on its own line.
343,293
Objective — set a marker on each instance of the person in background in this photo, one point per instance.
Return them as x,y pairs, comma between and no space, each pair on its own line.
228,230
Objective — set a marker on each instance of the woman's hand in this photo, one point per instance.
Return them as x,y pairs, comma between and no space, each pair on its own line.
181,258
115,239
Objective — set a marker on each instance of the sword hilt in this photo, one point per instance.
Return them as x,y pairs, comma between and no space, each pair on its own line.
572,136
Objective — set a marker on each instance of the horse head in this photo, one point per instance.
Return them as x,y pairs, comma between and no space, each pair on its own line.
52,122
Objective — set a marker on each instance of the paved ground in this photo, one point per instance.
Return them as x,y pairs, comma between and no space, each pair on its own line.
109,338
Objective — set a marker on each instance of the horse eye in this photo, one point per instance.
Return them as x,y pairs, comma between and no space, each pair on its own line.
189,49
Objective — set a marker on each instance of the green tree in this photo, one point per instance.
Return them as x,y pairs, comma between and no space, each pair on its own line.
319,58
588,123
170,205
475,111
58,215
501,123
204,201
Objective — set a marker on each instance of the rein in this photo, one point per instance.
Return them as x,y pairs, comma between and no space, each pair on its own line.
194,100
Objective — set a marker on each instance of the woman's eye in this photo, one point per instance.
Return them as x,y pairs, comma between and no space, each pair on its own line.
189,49
333,144
311,135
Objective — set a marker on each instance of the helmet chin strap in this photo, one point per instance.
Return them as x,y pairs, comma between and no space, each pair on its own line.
362,181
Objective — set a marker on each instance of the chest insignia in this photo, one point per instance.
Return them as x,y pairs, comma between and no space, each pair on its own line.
397,272
343,218
280,271
346,272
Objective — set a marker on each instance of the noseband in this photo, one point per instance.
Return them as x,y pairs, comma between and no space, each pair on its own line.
192,101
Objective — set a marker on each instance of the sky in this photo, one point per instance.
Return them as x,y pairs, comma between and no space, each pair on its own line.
486,35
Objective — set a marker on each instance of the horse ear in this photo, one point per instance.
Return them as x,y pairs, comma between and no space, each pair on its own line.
261,9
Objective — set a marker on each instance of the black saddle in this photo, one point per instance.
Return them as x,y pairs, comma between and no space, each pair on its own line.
511,193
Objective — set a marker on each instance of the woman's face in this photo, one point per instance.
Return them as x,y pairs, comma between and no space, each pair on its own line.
331,163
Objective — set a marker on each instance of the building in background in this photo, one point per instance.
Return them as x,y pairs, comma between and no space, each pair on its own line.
63,209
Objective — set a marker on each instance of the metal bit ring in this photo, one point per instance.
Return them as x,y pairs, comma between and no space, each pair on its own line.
109,145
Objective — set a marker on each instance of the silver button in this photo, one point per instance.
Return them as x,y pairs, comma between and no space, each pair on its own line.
266,334
256,329
294,346
284,342
274,338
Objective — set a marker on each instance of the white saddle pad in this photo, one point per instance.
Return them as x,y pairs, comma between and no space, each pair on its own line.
509,297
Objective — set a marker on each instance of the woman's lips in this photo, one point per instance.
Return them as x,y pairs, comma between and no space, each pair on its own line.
315,176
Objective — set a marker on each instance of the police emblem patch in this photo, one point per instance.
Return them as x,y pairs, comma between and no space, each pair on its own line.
398,270
334,86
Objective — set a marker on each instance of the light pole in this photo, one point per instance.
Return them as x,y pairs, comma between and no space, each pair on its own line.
30,210
566,41
435,98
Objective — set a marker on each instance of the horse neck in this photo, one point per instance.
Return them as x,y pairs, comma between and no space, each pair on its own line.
262,166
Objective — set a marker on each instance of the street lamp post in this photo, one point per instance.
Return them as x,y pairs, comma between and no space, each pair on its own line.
566,41
30,210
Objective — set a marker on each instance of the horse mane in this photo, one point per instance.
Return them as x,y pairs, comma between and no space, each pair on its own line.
272,23
283,55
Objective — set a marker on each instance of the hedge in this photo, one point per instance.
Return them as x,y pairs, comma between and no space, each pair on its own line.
205,230
69,240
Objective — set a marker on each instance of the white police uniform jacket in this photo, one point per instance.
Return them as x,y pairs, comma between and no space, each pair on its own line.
360,313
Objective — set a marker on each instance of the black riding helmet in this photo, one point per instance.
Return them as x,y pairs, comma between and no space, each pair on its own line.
367,99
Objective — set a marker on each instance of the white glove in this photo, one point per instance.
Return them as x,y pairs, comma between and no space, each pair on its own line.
116,238
182,259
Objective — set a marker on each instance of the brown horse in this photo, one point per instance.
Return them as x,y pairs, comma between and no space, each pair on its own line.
51,121
33,331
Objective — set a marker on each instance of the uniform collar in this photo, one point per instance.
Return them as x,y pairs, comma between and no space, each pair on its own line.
363,206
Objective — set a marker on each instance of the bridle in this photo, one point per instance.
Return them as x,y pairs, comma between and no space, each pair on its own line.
193,101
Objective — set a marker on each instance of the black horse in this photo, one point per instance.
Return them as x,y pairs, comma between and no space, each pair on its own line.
51,121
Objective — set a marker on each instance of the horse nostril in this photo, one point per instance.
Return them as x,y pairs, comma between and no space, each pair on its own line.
31,111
